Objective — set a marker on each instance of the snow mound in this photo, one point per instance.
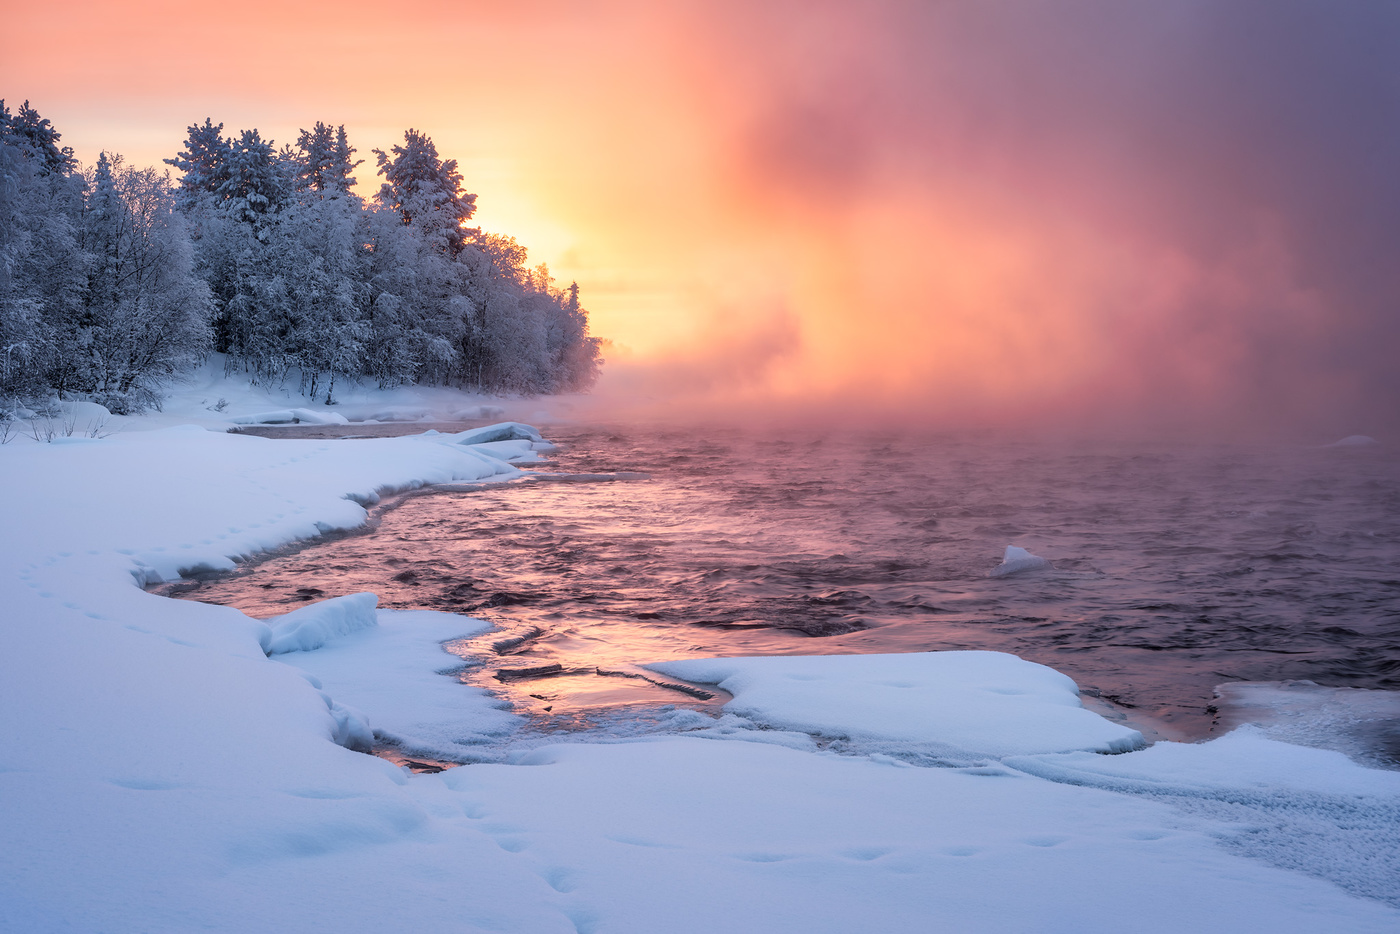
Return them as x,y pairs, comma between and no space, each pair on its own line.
970,703
504,431
78,409
1017,560
290,417
351,729
313,626
1353,441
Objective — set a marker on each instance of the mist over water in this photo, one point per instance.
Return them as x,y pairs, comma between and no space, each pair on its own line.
1174,568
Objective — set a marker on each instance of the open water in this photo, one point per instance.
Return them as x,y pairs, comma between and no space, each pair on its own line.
1174,568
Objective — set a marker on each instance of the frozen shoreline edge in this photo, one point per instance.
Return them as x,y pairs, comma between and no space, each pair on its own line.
184,673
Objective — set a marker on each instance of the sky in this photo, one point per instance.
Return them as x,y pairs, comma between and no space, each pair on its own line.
1177,216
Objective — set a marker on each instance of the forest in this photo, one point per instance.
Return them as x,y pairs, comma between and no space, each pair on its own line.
116,279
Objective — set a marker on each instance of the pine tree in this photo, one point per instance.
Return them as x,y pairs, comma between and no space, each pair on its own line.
254,186
325,160
36,138
426,192
339,175
204,161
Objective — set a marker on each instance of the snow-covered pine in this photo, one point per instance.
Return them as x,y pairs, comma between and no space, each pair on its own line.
425,191
325,160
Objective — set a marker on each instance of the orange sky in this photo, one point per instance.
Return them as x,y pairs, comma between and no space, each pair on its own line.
942,210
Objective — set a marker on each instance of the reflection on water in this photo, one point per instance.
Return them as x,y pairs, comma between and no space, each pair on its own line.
1174,569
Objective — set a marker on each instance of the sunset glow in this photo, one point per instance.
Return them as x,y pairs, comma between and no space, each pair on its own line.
1162,216
745,466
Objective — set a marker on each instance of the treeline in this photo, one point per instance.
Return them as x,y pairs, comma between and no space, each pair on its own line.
115,279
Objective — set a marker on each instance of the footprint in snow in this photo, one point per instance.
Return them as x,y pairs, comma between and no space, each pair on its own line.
560,879
1045,840
1146,834
640,841
866,853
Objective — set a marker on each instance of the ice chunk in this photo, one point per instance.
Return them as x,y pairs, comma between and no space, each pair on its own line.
1017,560
313,626
1353,441
976,703
291,417
505,431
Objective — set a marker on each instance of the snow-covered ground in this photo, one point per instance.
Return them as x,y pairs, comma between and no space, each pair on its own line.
168,766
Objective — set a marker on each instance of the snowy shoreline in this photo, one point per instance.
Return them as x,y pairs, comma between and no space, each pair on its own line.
161,772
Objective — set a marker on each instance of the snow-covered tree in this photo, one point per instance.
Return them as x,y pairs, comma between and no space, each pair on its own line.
97,293
255,185
43,268
310,283
425,191
37,139
145,318
204,162
325,160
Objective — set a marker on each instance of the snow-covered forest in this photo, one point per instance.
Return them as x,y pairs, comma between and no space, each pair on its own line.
116,279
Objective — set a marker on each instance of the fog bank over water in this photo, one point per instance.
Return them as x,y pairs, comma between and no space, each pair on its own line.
1179,216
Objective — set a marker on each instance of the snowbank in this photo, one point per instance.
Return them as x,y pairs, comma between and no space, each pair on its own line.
959,703
395,672
313,626
504,431
290,417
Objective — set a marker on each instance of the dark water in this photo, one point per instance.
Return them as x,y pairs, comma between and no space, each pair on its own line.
1174,568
